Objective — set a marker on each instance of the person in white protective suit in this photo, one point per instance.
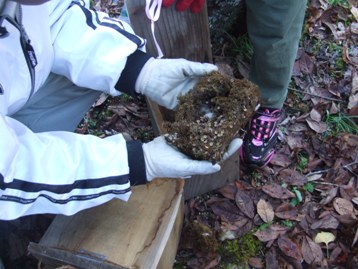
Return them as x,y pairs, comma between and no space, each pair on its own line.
56,58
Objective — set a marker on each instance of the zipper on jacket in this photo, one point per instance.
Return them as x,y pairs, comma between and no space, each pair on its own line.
27,49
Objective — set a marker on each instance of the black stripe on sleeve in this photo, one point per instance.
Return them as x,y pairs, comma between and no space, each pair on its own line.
89,21
88,14
135,39
20,200
60,189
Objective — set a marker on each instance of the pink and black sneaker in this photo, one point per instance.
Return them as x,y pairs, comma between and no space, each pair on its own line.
258,146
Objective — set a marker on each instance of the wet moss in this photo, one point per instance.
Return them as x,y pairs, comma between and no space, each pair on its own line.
240,250
211,115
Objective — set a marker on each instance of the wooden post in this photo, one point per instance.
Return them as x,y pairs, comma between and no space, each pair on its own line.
179,34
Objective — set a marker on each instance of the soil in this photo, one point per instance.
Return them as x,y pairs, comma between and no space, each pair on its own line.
211,115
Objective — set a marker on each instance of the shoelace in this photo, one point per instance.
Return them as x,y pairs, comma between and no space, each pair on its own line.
152,9
262,126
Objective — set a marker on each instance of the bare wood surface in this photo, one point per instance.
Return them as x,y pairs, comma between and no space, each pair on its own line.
126,235
179,34
170,251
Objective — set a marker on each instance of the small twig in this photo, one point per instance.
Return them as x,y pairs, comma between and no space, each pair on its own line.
350,164
328,183
315,173
319,172
349,170
316,95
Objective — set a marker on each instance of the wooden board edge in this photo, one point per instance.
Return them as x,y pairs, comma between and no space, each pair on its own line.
168,256
54,257
152,259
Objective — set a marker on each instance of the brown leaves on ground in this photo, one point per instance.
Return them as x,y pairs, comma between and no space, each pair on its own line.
278,224
265,211
123,114
303,207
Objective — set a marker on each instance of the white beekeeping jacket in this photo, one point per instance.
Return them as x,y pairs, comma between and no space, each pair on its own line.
61,172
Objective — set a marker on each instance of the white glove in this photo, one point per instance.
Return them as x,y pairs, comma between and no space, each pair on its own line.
163,160
234,146
164,80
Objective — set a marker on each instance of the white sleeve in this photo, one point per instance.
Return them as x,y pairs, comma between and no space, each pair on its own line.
58,172
91,49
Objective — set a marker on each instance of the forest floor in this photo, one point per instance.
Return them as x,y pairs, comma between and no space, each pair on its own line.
301,211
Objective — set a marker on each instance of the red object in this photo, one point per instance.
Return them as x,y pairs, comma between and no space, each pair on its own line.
182,5
197,5
167,3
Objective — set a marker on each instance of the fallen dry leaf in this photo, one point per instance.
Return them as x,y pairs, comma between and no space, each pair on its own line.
311,251
282,160
289,248
327,222
335,254
314,177
225,210
354,11
271,259
306,63
287,212
355,238
353,98
228,191
292,177
276,191
314,114
329,195
318,127
256,262
271,233
245,203
354,27
295,142
343,206
324,237
265,211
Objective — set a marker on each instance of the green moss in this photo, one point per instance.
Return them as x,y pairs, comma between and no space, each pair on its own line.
240,250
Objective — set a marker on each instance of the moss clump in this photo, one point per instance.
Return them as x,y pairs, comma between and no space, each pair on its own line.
240,250
211,115
200,237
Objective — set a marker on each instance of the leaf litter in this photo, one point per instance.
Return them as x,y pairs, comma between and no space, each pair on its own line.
314,162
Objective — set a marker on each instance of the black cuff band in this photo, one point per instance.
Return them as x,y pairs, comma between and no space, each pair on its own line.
128,78
136,163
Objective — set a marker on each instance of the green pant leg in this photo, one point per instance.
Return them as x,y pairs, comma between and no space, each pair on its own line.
59,105
274,28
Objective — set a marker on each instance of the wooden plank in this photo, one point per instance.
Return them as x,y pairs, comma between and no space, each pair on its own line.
170,252
124,235
179,34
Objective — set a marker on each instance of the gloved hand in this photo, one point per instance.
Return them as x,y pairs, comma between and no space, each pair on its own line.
164,80
234,146
195,5
163,160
